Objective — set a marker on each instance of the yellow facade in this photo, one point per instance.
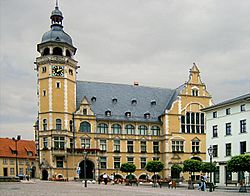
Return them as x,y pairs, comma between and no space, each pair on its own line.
61,119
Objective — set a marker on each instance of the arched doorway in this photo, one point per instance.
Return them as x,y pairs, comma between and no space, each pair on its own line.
45,174
90,169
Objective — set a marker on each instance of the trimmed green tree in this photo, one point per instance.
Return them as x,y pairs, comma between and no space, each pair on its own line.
128,168
240,163
208,167
191,166
154,166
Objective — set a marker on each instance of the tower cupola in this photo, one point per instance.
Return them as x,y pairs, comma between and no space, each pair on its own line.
56,34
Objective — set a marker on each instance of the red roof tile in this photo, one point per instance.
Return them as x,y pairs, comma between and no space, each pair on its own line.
7,146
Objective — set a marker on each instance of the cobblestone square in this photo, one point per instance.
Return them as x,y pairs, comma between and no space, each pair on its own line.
76,188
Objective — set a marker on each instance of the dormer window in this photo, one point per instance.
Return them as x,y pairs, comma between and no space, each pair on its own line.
128,114
29,153
93,99
108,113
153,102
147,115
114,100
84,111
133,101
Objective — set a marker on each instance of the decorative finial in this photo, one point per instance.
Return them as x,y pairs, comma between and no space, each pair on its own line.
56,3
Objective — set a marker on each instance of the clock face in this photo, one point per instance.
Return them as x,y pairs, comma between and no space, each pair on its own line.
57,71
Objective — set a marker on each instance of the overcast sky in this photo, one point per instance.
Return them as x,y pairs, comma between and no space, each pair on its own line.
153,42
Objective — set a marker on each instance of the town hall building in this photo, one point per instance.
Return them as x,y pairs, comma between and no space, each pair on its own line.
110,124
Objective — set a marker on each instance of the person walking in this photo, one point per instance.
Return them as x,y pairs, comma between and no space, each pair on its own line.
105,178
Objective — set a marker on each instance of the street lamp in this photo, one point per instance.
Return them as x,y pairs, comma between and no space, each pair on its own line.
210,151
85,153
98,167
16,140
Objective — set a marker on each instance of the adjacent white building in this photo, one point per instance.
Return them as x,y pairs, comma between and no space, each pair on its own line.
228,131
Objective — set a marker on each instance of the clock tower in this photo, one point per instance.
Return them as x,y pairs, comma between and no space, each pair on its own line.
56,90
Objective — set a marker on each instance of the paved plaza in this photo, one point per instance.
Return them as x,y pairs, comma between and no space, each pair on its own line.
76,188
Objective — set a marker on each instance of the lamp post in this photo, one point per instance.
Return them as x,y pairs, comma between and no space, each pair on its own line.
16,140
85,153
210,151
98,167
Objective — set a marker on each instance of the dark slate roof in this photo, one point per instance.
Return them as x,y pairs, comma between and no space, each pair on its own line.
239,99
57,34
105,92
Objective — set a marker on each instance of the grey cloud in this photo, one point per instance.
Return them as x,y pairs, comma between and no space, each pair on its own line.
153,42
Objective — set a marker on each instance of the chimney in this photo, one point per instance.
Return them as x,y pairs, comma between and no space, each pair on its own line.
136,83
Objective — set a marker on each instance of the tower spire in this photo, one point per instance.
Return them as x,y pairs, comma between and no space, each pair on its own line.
56,3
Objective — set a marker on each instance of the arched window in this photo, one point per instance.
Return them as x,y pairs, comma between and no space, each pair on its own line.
133,101
102,128
155,130
68,53
130,129
71,125
57,51
116,129
45,125
58,124
46,52
143,130
128,114
93,99
85,127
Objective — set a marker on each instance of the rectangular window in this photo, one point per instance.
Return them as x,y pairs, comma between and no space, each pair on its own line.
156,147
117,162
243,147
59,143
116,145
156,158
12,161
215,131
71,143
215,150
103,162
228,111
177,146
21,171
228,128
12,171
59,162
44,69
21,162
103,146
214,114
143,147
130,160
143,162
5,161
70,71
243,126
228,149
130,146
44,93
58,85
45,142
243,107
195,146
85,143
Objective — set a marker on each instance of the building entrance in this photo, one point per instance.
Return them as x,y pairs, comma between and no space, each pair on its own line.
90,170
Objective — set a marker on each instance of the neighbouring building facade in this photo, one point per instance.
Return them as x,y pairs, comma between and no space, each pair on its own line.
113,123
229,134
18,157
